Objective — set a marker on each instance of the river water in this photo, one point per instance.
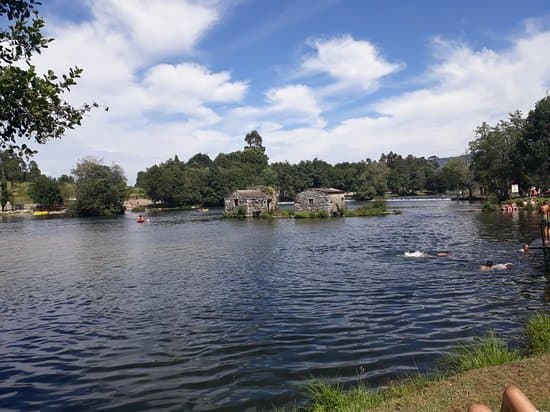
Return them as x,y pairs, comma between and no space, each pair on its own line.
194,312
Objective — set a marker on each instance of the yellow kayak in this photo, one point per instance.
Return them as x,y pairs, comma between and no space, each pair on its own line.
40,213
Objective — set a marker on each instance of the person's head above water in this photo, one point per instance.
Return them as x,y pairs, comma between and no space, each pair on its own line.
489,263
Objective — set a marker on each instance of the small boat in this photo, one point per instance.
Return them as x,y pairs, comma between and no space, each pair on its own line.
40,213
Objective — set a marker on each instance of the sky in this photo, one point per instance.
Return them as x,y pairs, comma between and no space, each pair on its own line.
337,80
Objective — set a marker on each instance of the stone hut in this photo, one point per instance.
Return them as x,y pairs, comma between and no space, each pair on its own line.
319,199
251,202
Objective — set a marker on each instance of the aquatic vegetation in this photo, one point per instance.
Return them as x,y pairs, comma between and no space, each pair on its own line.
376,208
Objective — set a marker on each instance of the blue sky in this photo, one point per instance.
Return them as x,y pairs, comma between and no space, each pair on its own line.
336,80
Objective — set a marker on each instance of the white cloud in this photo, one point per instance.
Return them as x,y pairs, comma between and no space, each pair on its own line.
156,29
467,87
295,101
160,109
353,63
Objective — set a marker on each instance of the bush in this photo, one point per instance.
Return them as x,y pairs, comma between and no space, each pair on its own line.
311,215
489,207
138,209
376,208
538,334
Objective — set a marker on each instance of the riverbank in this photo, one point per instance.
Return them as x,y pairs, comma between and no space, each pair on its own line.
483,385
476,374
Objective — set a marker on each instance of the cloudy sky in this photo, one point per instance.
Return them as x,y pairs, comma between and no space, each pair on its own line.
340,80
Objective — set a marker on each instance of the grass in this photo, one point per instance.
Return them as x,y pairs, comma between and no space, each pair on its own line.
311,215
489,351
376,208
538,334
325,397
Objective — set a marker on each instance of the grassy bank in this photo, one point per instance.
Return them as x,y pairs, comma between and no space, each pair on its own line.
477,373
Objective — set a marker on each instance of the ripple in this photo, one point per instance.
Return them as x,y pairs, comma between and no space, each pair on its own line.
198,313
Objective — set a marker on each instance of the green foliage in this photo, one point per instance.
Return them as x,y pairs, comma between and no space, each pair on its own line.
321,214
254,141
494,154
538,334
489,351
456,175
100,190
324,397
489,207
138,209
5,195
408,175
46,192
534,148
31,104
266,215
376,208
331,398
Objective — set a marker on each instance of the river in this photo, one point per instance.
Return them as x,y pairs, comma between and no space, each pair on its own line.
194,312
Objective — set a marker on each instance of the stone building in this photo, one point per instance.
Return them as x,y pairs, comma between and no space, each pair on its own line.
317,200
251,202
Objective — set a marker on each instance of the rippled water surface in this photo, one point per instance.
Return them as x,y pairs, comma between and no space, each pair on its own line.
194,312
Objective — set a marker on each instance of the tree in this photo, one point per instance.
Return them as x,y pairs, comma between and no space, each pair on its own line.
494,161
100,190
46,192
456,175
199,160
254,140
534,147
31,105
33,171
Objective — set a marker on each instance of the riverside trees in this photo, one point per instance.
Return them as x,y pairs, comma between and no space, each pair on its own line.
515,150
100,190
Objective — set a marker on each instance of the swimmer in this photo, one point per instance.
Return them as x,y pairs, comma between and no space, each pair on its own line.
491,266
443,253
416,253
524,248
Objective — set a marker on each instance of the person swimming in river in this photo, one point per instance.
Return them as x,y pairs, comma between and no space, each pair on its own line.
491,266
524,248
140,219
419,254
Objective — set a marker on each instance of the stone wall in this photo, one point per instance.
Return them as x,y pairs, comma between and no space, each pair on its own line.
316,200
251,202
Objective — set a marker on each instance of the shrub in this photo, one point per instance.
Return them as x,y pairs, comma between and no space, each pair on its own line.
489,207
538,334
138,209
376,208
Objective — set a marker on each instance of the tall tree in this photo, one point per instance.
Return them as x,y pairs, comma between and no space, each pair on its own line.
534,148
32,107
100,190
254,140
494,154
45,191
